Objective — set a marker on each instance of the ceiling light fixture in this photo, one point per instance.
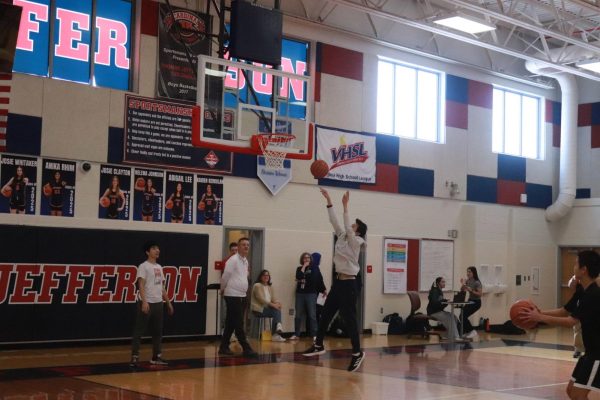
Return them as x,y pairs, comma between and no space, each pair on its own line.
590,65
465,23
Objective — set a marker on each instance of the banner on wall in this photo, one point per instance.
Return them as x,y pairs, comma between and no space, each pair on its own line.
351,156
58,190
210,200
115,183
176,76
179,197
148,195
60,284
18,176
395,256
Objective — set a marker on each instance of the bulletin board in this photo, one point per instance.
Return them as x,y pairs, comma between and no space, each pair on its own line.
436,259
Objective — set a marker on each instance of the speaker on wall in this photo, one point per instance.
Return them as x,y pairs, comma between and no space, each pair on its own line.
255,33
10,18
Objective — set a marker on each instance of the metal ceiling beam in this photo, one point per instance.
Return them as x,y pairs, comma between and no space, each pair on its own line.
463,38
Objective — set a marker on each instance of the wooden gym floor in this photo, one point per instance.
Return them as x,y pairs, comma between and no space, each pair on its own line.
533,366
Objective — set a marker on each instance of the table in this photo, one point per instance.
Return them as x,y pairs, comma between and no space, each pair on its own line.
453,306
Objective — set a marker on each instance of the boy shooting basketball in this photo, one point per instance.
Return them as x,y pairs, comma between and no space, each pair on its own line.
344,291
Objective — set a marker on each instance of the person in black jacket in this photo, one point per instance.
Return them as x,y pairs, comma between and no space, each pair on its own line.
309,283
436,305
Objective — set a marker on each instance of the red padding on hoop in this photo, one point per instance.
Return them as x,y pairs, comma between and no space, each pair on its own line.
196,113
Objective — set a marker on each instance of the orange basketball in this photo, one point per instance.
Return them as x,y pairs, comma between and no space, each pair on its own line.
201,206
169,204
7,191
47,189
104,201
517,318
140,183
319,169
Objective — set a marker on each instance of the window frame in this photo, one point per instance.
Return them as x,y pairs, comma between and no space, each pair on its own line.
440,136
541,136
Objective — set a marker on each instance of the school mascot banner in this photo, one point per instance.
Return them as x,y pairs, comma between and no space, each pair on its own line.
59,284
351,156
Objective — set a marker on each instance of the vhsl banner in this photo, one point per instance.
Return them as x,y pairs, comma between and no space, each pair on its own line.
350,156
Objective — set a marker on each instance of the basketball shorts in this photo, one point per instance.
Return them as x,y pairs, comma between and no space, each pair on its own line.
586,374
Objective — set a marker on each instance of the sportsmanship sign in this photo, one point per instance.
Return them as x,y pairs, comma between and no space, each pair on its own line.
351,157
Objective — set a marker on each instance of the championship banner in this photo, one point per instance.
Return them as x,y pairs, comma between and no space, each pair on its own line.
58,190
115,183
179,197
148,195
351,156
18,179
176,77
210,200
61,284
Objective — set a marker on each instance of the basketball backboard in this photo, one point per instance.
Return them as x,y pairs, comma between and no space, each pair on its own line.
237,101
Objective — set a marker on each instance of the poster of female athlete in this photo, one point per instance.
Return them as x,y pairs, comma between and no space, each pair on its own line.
210,200
148,195
18,177
179,197
58,188
115,183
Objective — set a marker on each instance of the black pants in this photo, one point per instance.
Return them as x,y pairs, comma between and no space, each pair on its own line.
469,310
154,318
342,298
234,321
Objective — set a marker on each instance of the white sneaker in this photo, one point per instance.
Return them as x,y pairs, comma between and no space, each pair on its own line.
279,328
471,335
277,338
294,337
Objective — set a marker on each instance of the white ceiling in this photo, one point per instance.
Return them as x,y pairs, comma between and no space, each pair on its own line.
556,32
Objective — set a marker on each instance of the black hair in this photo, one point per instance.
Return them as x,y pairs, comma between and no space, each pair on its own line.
436,283
591,260
243,238
361,228
148,245
264,271
474,271
232,244
304,255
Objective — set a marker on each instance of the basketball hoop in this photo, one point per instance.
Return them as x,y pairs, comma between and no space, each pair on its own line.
274,148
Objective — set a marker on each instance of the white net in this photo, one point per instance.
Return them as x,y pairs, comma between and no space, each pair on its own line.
274,148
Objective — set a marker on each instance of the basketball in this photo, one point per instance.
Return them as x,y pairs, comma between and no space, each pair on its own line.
169,204
201,206
7,191
140,183
104,201
319,169
517,319
47,189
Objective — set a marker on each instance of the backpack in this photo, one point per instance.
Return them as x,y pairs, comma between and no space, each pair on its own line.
416,325
396,324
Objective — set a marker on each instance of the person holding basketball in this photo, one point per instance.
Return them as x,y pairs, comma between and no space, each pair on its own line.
57,187
209,204
178,209
16,185
148,200
115,196
344,291
583,307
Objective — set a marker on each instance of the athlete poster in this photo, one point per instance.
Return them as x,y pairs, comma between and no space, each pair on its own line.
148,195
115,185
179,198
18,176
63,284
58,188
210,200
181,39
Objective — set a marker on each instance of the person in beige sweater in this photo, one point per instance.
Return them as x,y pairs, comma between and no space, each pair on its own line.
264,304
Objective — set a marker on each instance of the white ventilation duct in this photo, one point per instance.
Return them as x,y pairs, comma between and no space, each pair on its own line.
568,140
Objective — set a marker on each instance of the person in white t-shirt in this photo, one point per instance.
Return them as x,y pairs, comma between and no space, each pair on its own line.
150,305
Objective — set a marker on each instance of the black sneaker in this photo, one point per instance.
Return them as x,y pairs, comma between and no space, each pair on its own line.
314,350
135,360
356,361
158,361
576,354
250,353
225,352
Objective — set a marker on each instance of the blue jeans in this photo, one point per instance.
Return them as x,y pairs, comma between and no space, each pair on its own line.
269,312
306,304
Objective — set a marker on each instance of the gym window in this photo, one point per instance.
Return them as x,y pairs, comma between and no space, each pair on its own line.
409,101
517,124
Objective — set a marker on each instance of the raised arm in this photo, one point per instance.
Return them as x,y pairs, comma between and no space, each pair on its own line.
332,218
350,235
